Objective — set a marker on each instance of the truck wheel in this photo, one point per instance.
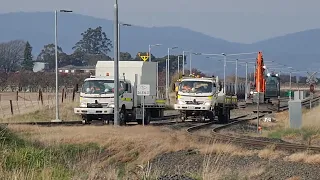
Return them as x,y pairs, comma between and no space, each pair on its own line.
147,118
202,119
211,115
227,116
86,119
122,116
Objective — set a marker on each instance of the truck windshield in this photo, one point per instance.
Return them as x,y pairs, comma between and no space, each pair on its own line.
101,87
196,87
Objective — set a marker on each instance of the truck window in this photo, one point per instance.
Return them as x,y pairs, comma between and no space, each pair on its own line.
101,87
196,87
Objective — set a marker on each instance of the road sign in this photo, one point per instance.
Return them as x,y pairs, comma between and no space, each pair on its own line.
289,93
144,58
312,88
143,90
312,79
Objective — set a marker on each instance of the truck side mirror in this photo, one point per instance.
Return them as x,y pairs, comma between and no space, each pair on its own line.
126,88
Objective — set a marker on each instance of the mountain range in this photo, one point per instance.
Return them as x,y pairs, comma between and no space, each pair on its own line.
298,50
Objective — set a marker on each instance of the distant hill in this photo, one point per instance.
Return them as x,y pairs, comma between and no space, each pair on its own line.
297,49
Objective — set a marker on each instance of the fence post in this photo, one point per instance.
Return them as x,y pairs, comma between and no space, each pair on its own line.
17,95
11,107
73,94
62,95
41,97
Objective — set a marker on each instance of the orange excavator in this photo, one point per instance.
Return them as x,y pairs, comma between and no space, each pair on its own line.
260,82
267,87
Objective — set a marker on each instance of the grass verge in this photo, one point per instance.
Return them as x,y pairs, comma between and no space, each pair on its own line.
21,159
309,134
47,114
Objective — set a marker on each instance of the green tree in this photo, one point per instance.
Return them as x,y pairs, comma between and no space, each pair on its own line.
47,55
27,63
125,56
94,41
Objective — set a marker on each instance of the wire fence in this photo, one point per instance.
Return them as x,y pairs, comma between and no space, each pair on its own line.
19,103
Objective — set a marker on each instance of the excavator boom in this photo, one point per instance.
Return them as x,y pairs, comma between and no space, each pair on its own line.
259,74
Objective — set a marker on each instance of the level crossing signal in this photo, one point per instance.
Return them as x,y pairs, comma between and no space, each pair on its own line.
144,58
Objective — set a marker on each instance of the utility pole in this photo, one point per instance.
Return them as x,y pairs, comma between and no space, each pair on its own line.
56,59
236,79
182,62
246,91
56,62
116,65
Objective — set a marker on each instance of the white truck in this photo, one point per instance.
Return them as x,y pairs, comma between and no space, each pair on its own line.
203,98
97,93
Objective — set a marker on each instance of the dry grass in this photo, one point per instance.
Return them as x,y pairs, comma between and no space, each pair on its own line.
149,141
46,113
125,148
270,153
304,157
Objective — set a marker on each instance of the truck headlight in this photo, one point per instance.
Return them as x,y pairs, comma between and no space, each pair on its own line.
207,103
111,105
181,102
83,104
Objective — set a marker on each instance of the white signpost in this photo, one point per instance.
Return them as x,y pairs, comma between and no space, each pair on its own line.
143,90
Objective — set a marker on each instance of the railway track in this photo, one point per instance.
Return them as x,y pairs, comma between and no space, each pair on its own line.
248,141
156,121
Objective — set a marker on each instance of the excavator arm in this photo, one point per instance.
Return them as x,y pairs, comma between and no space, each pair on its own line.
259,74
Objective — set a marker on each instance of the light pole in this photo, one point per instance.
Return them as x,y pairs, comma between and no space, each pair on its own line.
120,24
151,45
168,72
179,66
116,64
191,60
56,58
183,59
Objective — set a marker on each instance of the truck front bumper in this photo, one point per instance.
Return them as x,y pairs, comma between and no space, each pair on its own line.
93,110
190,107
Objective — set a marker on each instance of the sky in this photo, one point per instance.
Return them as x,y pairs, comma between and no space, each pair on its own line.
243,21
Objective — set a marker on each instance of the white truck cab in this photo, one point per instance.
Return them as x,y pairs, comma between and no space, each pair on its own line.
97,93
202,98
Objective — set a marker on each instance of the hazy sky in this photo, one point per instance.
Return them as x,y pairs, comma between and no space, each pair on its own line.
234,20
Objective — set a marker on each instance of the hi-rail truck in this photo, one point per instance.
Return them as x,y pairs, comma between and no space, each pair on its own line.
97,93
202,98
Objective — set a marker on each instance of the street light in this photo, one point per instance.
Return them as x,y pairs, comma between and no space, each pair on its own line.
168,72
116,64
191,60
120,24
179,65
151,45
184,60
56,58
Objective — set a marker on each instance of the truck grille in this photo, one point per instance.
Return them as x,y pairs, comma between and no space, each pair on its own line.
194,102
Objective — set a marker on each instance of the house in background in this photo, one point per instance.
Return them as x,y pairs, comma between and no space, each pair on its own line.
77,69
40,66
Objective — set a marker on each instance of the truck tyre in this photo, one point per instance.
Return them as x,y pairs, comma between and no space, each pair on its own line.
147,118
211,115
122,116
227,116
86,119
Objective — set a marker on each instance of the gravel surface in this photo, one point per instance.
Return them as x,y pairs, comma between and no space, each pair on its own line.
190,162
